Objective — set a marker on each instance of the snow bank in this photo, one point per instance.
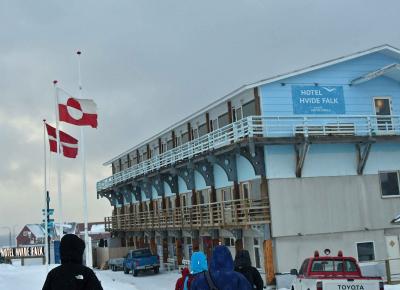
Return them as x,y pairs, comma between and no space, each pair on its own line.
33,277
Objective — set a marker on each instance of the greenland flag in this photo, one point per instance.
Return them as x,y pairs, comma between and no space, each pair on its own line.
80,112
69,145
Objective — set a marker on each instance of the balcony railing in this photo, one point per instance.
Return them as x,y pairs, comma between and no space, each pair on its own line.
234,213
271,127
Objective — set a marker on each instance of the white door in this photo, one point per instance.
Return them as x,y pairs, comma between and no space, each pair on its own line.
393,251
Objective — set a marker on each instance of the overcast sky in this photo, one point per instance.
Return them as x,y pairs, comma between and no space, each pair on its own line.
148,64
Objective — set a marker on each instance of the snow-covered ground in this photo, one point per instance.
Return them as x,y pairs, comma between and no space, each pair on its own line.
32,277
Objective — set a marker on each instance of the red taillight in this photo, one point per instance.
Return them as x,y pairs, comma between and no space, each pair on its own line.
319,285
381,286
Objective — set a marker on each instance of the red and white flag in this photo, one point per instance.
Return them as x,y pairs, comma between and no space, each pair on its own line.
69,145
80,112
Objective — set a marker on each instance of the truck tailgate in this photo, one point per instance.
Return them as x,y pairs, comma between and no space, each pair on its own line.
144,261
350,284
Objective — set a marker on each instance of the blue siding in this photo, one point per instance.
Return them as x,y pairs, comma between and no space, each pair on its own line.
220,177
154,193
280,161
167,190
330,160
144,198
245,169
383,157
182,188
199,181
277,99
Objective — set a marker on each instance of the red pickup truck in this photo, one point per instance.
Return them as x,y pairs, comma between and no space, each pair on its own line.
333,273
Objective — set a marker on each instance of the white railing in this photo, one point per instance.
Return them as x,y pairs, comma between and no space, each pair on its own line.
261,126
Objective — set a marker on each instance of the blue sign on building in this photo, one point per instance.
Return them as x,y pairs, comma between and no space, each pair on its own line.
318,100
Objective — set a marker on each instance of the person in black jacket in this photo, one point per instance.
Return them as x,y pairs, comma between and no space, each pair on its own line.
243,266
71,274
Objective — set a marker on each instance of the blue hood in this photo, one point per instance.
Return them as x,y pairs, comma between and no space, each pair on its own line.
198,263
221,260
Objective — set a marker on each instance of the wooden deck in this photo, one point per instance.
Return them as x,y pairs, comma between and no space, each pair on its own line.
223,214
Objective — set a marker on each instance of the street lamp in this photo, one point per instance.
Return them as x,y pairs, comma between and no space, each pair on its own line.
9,234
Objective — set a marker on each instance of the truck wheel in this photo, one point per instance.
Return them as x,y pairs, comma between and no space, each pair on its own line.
135,272
156,270
113,268
126,271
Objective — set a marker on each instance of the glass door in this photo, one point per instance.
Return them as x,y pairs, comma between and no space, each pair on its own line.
383,111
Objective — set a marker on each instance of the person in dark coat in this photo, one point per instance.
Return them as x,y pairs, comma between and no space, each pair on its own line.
221,273
243,266
71,274
180,282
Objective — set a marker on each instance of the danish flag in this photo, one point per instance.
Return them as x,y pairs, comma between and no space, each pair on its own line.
69,145
79,112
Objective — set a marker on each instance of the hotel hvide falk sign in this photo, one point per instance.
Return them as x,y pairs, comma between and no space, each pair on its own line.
22,252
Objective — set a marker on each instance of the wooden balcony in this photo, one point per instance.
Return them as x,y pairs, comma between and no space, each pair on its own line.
241,213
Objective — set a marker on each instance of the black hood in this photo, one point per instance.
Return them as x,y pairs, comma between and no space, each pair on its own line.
242,259
71,249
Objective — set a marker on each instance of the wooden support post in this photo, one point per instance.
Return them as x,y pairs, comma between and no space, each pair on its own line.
153,246
388,273
165,247
269,262
179,250
195,241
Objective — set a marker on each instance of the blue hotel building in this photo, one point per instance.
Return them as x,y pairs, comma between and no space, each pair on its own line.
281,167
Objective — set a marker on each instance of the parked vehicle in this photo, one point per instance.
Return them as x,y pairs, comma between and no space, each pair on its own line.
116,264
141,260
333,273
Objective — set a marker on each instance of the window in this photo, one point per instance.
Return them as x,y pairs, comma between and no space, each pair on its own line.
185,138
163,147
227,194
170,144
229,242
202,130
237,114
303,268
389,182
188,241
223,120
214,124
195,133
249,109
178,141
366,251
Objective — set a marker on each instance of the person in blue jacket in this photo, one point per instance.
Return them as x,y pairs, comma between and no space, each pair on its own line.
198,265
221,275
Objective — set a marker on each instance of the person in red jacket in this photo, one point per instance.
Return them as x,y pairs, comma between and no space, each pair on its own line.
180,282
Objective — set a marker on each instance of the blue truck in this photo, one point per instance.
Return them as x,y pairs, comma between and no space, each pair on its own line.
141,260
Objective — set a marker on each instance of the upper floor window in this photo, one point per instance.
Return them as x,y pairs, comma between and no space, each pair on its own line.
195,133
214,125
202,130
185,138
223,120
237,114
389,182
249,109
170,144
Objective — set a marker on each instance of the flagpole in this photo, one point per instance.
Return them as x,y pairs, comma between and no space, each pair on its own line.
46,235
59,194
84,189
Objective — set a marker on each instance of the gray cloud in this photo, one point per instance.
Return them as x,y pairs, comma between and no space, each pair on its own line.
148,64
